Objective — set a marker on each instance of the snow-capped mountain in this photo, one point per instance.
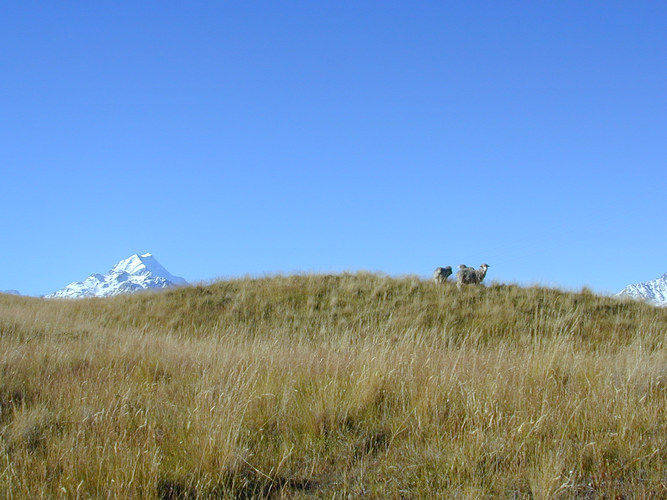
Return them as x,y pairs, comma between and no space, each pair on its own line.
134,274
654,291
10,292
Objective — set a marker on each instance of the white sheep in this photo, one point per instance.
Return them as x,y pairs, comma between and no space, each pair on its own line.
470,276
441,274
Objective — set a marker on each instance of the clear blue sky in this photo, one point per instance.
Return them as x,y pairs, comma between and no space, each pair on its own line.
245,137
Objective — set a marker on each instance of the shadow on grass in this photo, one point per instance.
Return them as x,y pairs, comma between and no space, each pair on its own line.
243,486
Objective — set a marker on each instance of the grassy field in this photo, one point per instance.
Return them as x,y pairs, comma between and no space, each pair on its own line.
345,386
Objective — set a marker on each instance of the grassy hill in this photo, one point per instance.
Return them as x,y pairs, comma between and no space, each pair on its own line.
345,386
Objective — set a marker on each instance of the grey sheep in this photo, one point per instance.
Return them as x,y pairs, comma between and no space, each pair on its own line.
470,276
441,274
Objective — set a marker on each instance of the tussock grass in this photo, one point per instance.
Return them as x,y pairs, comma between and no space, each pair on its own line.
346,386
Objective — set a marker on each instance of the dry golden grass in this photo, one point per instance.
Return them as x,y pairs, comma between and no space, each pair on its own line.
349,386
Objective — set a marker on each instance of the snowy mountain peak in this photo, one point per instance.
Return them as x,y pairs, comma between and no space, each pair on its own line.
134,264
654,292
134,274
145,265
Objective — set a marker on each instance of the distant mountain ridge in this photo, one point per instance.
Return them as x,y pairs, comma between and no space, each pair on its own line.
134,274
654,292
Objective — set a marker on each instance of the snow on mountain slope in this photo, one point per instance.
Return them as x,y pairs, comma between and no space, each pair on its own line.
654,291
134,274
10,292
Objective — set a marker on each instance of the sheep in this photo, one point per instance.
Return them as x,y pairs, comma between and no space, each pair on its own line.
470,276
441,274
